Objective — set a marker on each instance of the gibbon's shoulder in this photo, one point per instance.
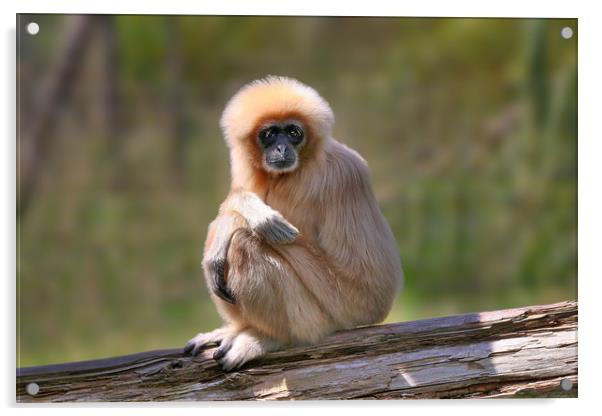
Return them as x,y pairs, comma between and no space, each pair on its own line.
345,163
338,151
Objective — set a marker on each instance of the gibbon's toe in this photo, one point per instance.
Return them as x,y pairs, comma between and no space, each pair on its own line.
241,350
194,346
221,351
230,362
189,347
222,337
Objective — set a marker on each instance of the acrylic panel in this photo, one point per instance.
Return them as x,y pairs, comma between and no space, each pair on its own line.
463,166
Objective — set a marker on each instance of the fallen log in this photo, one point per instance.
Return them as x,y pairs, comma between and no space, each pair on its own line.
523,352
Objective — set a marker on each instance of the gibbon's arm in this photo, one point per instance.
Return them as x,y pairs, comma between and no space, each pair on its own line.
260,217
241,209
354,234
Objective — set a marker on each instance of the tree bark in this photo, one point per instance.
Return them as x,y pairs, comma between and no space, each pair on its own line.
524,352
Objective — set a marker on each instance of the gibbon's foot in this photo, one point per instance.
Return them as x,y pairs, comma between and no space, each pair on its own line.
277,230
246,346
220,336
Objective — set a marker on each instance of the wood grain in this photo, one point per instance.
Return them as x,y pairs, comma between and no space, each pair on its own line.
524,352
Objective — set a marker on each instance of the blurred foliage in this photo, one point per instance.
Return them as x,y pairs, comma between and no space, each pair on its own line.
468,125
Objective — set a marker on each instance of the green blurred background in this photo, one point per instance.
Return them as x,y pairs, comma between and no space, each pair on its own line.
468,125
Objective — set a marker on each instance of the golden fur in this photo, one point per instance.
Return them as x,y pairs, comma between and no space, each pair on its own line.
337,265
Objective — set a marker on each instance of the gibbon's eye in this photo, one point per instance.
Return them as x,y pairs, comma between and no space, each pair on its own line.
272,131
266,136
295,134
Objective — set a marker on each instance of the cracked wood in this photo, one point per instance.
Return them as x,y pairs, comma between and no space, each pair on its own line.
523,352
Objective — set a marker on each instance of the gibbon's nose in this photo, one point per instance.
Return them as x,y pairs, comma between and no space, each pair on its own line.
281,148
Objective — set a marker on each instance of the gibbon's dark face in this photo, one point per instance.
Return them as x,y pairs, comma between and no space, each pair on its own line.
280,143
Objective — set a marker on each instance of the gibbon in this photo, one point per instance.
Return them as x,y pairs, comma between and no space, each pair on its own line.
299,248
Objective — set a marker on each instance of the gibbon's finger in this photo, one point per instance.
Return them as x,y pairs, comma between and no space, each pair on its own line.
223,292
219,286
278,231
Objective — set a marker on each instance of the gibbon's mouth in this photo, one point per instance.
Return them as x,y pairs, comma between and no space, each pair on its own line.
281,165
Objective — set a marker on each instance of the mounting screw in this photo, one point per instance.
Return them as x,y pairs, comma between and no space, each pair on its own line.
32,389
32,28
566,32
566,384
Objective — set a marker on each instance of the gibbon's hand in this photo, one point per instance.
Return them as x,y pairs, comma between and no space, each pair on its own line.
263,220
276,230
215,261
217,269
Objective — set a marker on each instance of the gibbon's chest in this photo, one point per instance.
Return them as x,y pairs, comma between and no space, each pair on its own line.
300,210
